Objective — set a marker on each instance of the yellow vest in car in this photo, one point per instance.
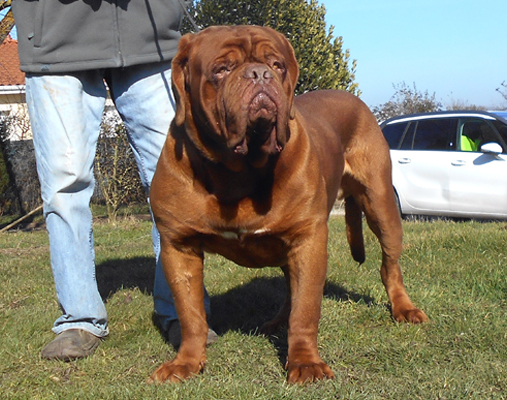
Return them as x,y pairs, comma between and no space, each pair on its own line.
468,144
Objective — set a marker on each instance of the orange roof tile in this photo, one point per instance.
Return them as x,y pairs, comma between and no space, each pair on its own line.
10,74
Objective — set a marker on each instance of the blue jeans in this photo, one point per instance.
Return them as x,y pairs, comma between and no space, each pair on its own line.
66,112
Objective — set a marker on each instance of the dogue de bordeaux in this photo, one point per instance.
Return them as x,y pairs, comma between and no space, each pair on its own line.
251,172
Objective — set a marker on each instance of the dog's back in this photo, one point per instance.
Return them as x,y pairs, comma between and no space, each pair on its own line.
344,116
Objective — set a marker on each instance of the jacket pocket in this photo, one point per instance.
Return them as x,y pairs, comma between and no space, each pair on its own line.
38,23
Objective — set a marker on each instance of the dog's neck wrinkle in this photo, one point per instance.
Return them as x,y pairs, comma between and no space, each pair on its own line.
228,186
210,147
231,187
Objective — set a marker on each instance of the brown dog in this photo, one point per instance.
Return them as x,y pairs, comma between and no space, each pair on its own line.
250,172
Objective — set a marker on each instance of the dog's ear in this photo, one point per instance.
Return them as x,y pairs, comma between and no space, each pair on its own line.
292,73
179,76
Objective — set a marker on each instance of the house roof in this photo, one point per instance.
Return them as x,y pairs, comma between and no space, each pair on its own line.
10,74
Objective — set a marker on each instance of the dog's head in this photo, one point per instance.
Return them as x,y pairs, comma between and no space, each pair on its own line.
234,88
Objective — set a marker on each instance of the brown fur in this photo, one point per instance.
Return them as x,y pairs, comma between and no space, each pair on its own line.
252,174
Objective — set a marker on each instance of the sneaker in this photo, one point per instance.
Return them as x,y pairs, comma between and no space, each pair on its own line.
173,334
71,345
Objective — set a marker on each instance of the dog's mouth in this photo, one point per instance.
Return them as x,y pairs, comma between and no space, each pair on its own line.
261,128
267,140
262,109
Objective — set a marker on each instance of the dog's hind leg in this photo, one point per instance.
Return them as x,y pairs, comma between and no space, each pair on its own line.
377,201
354,227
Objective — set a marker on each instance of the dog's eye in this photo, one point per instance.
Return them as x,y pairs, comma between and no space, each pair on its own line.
220,71
279,67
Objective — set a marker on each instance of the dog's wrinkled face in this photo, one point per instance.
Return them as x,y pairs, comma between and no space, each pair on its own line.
234,88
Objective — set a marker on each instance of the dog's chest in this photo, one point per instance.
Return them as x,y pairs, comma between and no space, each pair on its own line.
253,249
241,234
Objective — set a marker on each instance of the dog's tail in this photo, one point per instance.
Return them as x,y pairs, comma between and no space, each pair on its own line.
354,224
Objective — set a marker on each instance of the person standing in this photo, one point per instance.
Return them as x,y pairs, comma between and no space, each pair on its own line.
72,54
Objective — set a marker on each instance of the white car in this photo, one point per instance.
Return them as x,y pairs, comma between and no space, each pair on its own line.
451,163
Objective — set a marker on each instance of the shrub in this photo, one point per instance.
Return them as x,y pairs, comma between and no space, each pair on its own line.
116,173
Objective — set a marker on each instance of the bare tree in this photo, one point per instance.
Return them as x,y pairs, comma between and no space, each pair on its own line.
406,100
115,168
503,90
464,105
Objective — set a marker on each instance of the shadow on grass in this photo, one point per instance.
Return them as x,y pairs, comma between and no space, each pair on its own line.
247,307
244,308
114,275
256,302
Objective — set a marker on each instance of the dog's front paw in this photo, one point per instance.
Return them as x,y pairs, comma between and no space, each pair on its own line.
308,372
413,316
176,371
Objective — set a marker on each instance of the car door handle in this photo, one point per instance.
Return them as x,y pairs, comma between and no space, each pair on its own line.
458,163
404,160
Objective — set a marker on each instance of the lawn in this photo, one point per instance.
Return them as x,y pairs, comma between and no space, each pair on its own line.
455,271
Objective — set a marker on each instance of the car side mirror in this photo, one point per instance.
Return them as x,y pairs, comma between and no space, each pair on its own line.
492,148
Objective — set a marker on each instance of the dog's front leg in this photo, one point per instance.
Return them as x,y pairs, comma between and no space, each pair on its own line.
307,274
184,271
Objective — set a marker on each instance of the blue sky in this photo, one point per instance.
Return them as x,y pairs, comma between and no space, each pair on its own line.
456,49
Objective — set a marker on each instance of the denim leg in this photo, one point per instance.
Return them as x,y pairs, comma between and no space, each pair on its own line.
144,99
65,113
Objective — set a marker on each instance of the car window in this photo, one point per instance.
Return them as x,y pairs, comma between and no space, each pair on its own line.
435,134
393,133
408,138
502,129
476,132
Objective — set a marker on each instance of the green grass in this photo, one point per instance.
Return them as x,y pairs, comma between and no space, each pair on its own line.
454,271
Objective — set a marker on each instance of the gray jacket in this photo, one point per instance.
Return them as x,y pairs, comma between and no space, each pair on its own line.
73,35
